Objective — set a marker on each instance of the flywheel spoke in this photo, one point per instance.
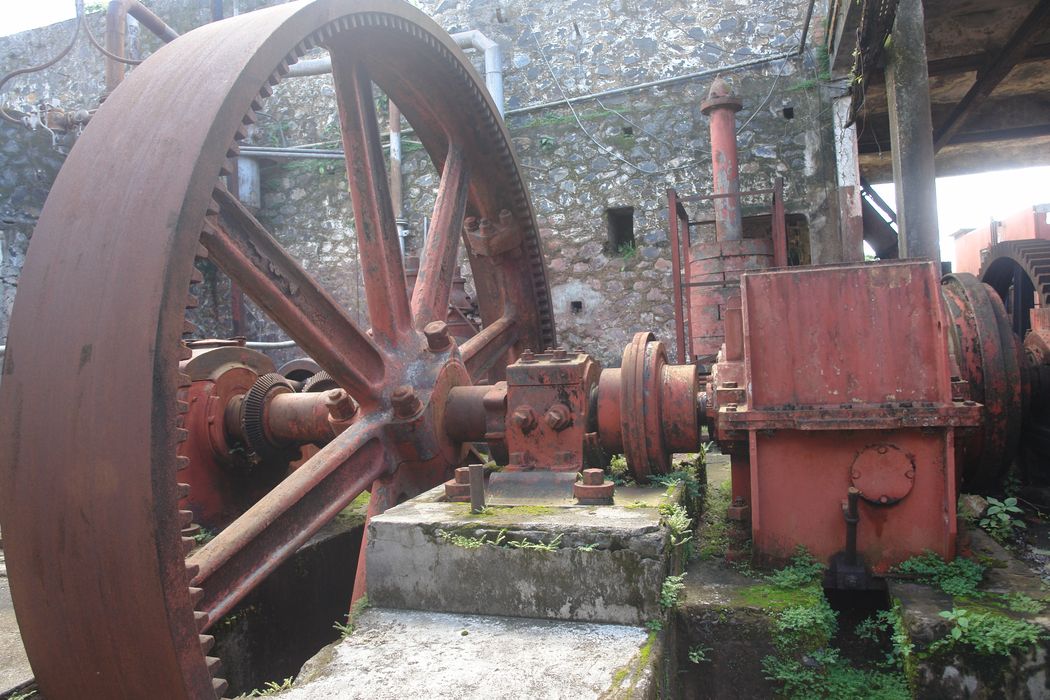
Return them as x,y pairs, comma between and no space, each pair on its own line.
430,297
377,238
491,344
255,544
245,250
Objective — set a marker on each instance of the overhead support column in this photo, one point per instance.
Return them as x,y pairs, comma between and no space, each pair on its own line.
911,134
847,166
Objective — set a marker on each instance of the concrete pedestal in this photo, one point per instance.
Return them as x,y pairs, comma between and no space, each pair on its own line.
579,563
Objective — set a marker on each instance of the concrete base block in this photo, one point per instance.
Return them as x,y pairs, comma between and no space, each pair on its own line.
602,564
715,614
958,671
399,654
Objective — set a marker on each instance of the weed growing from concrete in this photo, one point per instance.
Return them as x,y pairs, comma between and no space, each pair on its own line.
888,623
824,674
803,571
27,695
679,524
670,591
500,540
1002,519
619,474
988,633
271,688
959,577
654,625
698,654
806,627
347,629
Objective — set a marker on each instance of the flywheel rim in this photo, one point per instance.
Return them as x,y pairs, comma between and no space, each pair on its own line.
94,275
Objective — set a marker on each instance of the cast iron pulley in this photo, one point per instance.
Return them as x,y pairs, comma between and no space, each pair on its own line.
108,603
989,359
1019,272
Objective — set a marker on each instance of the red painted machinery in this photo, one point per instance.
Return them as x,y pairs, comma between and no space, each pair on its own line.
854,399
869,385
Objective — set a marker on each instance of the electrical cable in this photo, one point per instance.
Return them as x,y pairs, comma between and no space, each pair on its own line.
33,69
579,122
759,108
105,52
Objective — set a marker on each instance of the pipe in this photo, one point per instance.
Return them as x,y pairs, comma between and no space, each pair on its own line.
722,107
472,39
662,82
268,345
116,19
805,27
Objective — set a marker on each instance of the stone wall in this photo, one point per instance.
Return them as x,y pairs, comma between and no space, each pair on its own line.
621,150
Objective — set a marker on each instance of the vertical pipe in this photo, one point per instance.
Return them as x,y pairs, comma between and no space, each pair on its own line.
722,107
395,159
216,10
116,18
780,250
676,276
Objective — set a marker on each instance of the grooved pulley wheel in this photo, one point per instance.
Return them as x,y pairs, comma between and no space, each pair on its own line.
92,397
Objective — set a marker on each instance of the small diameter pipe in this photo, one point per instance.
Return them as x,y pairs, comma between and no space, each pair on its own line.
267,345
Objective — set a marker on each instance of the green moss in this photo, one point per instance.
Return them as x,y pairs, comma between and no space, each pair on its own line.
634,670
771,598
504,514
714,529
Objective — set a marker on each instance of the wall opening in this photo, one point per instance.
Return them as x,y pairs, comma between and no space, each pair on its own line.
619,222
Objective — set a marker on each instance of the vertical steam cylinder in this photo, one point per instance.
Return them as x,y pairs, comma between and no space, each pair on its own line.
714,267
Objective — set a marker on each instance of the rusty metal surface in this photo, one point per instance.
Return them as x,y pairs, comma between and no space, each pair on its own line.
549,412
105,286
721,107
813,406
988,357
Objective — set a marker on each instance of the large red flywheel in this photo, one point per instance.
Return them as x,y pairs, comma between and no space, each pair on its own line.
93,399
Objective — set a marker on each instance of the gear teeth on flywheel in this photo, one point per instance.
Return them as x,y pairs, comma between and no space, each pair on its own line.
188,327
202,252
219,686
191,571
188,545
185,518
184,352
207,641
181,463
192,302
201,618
183,490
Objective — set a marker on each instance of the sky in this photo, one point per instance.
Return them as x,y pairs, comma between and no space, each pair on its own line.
967,201
19,15
971,201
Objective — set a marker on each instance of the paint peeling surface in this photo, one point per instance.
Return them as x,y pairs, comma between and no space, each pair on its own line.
404,654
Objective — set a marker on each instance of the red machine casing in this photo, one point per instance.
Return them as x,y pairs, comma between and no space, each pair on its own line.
846,383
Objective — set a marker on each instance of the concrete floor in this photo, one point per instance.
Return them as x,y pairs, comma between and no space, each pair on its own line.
14,666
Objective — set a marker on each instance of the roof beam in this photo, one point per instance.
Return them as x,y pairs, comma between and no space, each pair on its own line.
993,73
